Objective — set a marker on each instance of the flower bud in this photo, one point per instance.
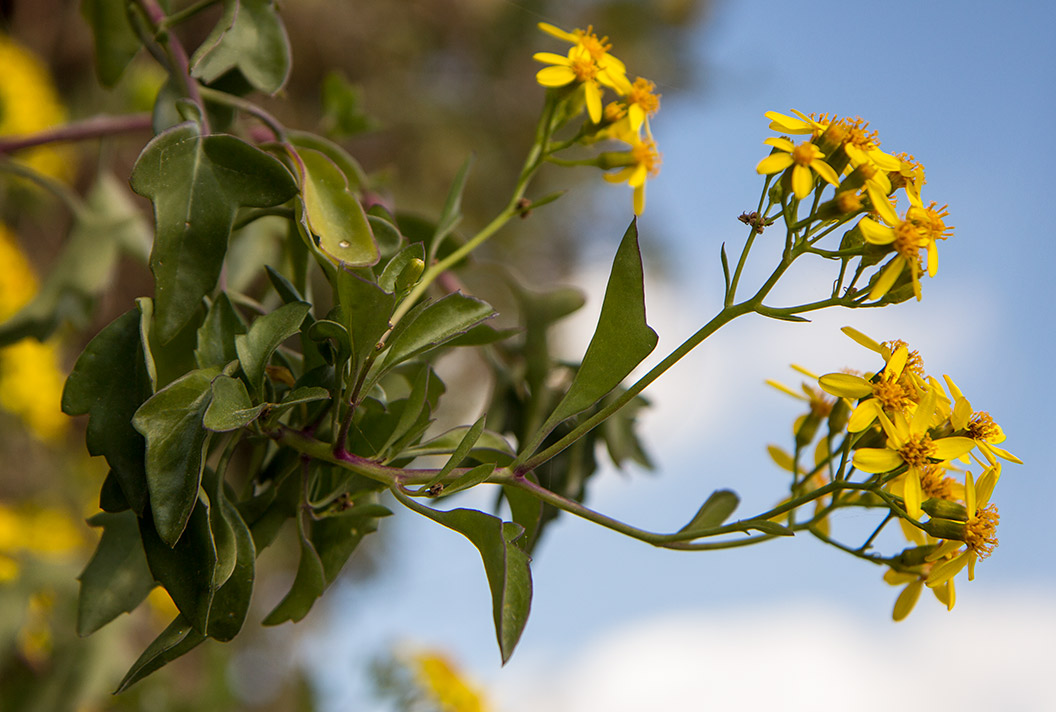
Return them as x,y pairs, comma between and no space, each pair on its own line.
838,416
410,274
807,429
945,529
945,509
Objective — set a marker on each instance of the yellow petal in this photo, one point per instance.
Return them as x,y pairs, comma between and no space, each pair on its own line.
984,488
802,181
953,447
933,258
947,570
782,458
593,94
875,233
862,339
639,199
774,163
887,278
969,494
780,143
555,76
906,600
863,416
845,385
876,460
557,32
881,204
912,493
824,170
551,58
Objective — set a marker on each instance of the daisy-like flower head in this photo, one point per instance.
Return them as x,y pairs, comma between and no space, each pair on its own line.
588,63
910,175
805,160
886,392
980,532
919,230
862,146
979,426
639,163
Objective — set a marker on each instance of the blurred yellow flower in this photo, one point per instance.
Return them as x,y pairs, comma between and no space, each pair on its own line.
640,162
444,684
28,104
588,62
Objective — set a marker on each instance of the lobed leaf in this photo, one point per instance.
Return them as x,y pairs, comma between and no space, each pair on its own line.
117,578
251,38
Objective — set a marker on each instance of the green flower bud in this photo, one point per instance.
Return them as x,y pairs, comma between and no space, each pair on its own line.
410,274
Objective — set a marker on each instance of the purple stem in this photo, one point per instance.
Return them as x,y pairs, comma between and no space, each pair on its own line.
95,127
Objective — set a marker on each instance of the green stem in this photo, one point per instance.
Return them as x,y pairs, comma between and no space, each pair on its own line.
179,62
187,13
247,107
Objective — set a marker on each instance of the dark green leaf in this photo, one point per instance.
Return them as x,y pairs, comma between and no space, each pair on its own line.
197,183
187,570
461,451
116,42
622,338
433,326
171,423
179,638
446,442
505,563
117,579
231,407
265,335
366,309
715,510
399,263
231,601
109,382
333,212
250,37
335,538
527,511
216,335
308,585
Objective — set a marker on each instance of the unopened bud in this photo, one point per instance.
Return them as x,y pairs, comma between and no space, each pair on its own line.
808,428
945,529
410,274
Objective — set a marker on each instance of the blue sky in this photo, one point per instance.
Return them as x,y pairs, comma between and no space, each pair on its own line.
967,88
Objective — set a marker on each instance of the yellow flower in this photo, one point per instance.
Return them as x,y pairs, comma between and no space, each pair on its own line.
639,163
921,229
804,159
588,62
979,426
980,538
444,685
910,444
28,104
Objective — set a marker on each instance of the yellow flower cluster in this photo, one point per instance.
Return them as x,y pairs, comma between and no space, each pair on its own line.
588,69
28,104
31,381
444,686
43,532
844,153
925,427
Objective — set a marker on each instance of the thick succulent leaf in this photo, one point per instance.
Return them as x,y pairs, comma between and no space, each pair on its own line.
117,578
333,212
622,338
715,510
187,570
308,585
231,601
216,335
265,335
116,42
354,173
196,184
109,382
171,423
505,563
84,268
176,640
250,37
433,326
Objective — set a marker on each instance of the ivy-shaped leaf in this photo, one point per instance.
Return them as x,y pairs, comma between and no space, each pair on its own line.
250,37
197,183
622,338
116,42
171,423
505,563
109,382
333,213
117,578
231,407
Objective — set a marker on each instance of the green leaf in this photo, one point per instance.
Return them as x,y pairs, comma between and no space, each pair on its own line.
335,538
231,601
188,569
343,113
400,262
250,37
116,42
308,585
435,324
197,183
715,510
365,310
452,213
171,423
108,383
216,335
117,578
527,511
471,478
622,338
768,527
354,173
461,451
85,265
230,407
505,563
265,335
176,640
446,442
333,212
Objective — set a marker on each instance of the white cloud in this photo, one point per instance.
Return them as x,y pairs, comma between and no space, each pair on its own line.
991,652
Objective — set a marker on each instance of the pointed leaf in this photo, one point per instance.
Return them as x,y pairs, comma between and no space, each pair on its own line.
116,42
365,311
187,570
171,423
308,585
117,578
464,446
505,563
265,335
179,638
231,601
433,326
250,37
231,407
216,335
109,382
334,214
622,338
715,510
452,214
335,538
196,184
